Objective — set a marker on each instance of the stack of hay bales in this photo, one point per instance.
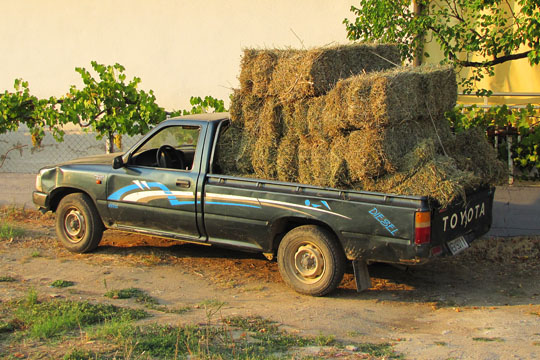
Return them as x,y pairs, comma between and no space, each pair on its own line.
348,117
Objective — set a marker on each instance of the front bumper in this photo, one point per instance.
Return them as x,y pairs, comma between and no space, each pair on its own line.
41,200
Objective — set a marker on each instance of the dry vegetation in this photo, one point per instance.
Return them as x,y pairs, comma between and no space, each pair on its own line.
349,118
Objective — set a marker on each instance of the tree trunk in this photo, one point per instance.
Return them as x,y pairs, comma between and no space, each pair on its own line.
109,143
419,51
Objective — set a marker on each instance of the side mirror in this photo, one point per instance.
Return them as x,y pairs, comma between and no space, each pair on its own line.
118,162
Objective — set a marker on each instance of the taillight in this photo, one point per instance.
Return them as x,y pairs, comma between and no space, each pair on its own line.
422,225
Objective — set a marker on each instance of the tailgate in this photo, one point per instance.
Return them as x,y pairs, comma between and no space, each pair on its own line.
463,221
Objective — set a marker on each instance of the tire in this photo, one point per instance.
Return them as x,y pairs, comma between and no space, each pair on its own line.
311,260
78,224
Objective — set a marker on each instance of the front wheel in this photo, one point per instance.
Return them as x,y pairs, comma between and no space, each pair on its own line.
311,261
78,224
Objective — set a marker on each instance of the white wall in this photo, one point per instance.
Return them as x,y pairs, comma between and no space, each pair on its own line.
178,48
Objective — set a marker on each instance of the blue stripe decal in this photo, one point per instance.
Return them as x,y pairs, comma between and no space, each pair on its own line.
232,204
118,194
176,202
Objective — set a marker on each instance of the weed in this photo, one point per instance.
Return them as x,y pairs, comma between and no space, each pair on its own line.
383,350
35,254
488,339
212,303
354,333
48,319
143,298
126,294
62,283
7,279
8,232
255,288
441,343
324,340
180,310
79,354
6,327
31,297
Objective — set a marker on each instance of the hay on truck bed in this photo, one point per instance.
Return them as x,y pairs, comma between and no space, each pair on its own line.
375,138
291,74
383,131
389,98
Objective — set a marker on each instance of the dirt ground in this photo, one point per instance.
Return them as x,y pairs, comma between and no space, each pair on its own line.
483,304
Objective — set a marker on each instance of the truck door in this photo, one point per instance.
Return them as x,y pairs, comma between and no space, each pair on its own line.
157,189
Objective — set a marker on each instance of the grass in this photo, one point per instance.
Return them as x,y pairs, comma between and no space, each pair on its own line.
50,323
488,339
49,319
143,298
7,279
212,303
62,283
9,232
35,254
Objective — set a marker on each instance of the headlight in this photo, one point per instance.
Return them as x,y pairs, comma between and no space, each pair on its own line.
38,183
39,187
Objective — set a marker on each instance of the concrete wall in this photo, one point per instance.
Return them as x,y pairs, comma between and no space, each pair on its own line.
179,48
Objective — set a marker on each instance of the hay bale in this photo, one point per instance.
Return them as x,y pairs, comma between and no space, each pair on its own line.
439,89
305,176
304,117
425,172
472,152
388,98
266,137
321,161
256,68
287,158
296,74
234,151
372,153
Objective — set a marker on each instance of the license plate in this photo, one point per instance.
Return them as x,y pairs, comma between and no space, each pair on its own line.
457,245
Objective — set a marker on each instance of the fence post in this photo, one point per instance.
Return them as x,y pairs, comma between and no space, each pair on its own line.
510,162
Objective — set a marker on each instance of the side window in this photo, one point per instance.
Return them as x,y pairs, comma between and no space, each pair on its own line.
173,147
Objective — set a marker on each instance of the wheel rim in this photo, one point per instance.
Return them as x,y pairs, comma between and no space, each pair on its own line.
308,263
74,225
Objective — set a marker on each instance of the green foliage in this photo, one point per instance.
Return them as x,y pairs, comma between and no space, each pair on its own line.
143,298
5,278
525,149
109,105
201,106
8,232
20,107
126,294
62,283
47,319
493,30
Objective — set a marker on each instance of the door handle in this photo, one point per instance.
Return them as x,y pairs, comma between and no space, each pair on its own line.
183,183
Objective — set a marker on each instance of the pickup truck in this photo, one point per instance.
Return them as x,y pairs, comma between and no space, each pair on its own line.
169,184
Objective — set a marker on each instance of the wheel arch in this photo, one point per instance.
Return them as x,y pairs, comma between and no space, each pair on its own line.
59,193
283,225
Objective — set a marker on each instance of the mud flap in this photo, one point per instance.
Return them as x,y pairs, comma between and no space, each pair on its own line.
361,275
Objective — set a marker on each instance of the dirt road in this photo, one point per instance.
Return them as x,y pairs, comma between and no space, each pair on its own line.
484,304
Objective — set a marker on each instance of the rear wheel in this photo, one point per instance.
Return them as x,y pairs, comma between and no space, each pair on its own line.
311,261
78,224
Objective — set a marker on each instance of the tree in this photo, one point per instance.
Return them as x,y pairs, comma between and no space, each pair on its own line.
466,30
20,107
109,105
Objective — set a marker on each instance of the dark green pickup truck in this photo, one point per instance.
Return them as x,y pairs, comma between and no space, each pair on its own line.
169,185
